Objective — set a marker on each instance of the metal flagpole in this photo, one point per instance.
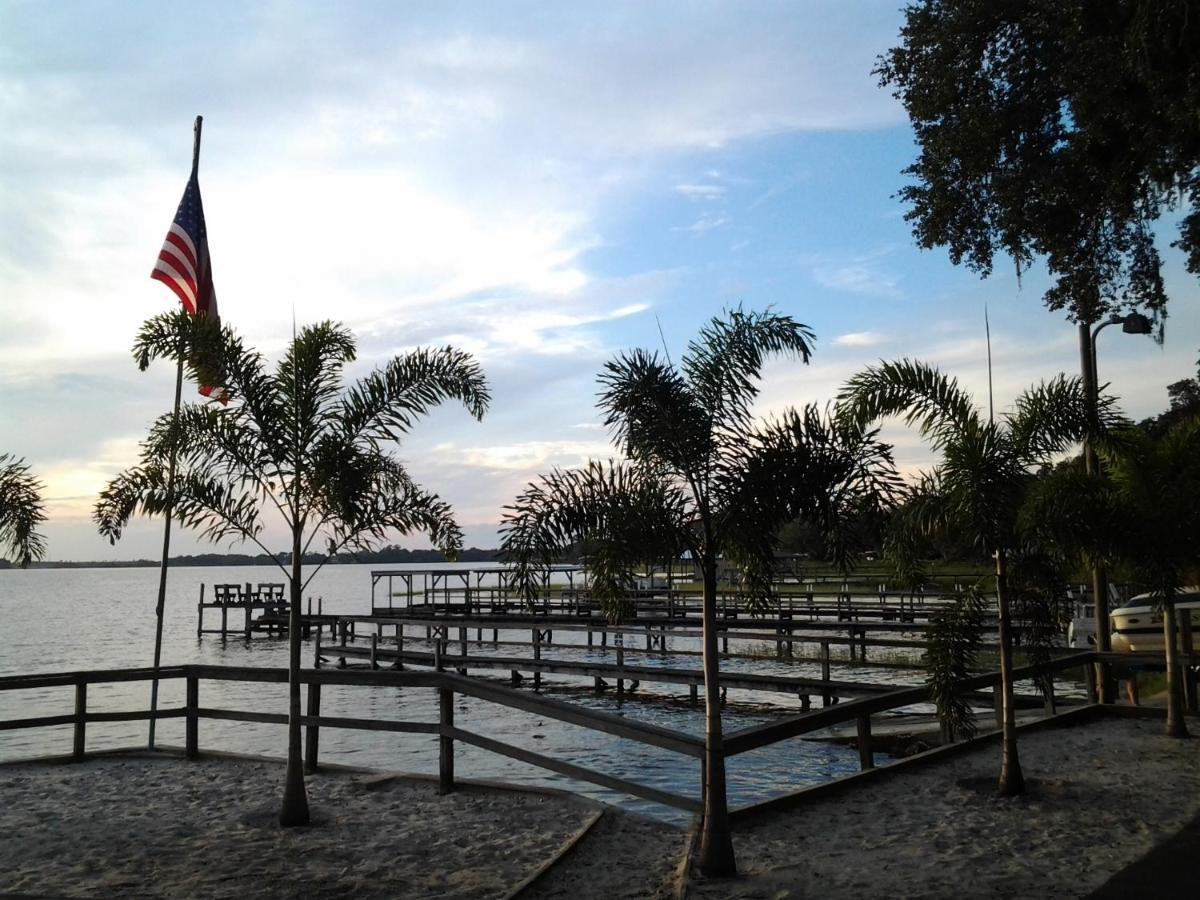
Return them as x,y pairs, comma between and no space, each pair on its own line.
166,549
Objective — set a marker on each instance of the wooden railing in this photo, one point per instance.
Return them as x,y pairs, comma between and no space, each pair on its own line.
448,684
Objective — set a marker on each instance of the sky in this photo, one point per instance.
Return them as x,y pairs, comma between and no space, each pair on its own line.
541,184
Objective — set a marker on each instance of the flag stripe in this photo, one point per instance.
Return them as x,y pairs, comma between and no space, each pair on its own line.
183,264
176,237
177,268
180,291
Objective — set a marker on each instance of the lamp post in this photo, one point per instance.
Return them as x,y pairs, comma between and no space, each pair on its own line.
1133,323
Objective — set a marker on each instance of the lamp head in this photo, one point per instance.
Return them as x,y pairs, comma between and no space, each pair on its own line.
1136,323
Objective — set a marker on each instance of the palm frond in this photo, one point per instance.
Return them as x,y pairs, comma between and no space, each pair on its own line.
1052,416
724,363
626,512
914,390
22,512
953,638
385,404
653,413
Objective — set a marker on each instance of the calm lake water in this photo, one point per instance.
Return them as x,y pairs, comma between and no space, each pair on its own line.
56,620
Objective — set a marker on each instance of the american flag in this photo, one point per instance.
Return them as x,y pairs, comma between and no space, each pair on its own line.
183,264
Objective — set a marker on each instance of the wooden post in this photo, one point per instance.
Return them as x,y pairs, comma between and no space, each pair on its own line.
80,718
200,612
399,645
693,694
317,651
619,640
374,651
312,736
825,673
437,653
537,654
192,718
1189,660
866,756
224,621
249,611
998,704
1048,704
1089,676
445,742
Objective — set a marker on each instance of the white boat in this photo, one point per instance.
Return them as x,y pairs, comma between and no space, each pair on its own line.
1138,626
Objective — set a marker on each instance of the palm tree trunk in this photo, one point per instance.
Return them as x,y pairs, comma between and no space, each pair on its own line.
1175,724
295,798
716,843
1012,782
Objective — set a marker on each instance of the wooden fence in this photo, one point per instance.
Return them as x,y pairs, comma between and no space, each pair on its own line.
448,684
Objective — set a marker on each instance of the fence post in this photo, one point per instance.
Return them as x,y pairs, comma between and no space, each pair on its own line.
1188,658
80,718
445,742
374,651
312,736
1089,676
825,673
192,718
866,756
537,654
200,612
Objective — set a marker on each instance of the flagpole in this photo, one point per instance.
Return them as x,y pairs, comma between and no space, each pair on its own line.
166,548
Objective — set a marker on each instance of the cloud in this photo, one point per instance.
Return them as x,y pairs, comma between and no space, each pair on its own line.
859,339
703,225
858,278
700,191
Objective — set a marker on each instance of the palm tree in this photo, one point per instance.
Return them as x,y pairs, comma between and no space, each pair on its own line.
979,486
1143,514
297,444
1158,483
21,512
700,475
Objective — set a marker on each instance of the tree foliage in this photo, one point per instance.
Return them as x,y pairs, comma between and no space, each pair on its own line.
977,491
295,445
22,512
1059,129
700,474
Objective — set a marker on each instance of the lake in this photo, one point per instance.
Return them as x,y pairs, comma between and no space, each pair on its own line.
56,620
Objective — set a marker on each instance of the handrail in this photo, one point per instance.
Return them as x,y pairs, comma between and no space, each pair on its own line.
447,684
761,735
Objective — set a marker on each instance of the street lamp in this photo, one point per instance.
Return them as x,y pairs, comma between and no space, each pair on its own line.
1132,323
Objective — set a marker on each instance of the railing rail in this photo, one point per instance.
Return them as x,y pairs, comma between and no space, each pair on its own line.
447,684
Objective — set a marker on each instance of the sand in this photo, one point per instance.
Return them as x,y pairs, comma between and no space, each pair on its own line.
1100,796
150,825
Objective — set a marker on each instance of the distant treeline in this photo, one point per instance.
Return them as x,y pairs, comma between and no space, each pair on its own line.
389,554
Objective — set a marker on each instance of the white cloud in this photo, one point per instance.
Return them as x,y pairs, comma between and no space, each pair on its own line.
859,339
703,225
700,191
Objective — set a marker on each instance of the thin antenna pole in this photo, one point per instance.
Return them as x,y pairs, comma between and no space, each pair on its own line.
170,505
987,328
662,337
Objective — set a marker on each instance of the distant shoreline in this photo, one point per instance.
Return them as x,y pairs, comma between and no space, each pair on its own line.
386,556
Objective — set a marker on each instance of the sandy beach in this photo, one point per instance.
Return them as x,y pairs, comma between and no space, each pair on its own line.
1101,795
159,826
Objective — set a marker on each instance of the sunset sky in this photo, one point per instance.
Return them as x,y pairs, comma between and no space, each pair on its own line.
536,183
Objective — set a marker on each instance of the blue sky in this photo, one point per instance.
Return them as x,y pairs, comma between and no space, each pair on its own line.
537,183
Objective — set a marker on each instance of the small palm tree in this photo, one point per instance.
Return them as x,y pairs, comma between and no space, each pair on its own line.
21,512
1144,514
1158,484
978,488
700,475
296,443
